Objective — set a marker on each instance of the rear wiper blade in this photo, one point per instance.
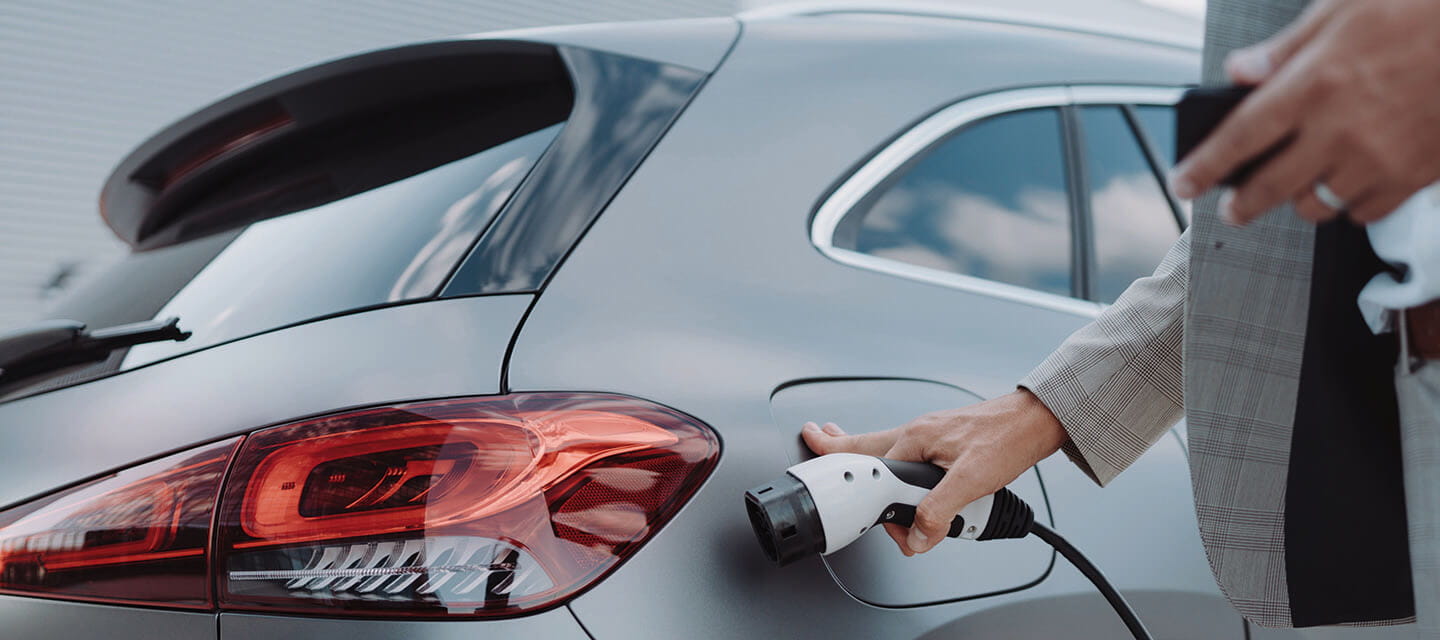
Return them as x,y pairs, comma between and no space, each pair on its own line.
53,344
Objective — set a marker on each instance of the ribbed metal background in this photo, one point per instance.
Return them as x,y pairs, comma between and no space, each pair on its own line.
81,83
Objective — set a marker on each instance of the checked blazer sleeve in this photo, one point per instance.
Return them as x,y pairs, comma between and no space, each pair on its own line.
1117,384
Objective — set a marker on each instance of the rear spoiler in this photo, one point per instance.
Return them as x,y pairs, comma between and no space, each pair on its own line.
330,131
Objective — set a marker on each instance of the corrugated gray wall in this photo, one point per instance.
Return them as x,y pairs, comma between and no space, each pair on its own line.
83,82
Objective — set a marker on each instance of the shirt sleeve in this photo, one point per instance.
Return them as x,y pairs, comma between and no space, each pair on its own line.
1117,384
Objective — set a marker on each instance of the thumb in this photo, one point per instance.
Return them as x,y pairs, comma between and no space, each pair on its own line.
1253,65
938,509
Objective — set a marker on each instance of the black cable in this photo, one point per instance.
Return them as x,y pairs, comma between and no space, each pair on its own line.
1078,559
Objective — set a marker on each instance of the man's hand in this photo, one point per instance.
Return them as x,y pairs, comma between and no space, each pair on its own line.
1354,86
984,447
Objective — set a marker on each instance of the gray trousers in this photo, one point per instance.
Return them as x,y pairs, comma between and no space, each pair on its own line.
1418,390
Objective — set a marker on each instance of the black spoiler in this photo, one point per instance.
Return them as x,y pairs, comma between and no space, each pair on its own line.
327,132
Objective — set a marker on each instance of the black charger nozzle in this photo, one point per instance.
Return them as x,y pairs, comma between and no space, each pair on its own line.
785,520
1010,517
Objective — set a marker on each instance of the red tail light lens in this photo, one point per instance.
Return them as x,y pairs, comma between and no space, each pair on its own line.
478,507
140,535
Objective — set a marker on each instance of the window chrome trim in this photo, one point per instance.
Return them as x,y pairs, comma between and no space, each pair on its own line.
1106,26
926,134
1120,94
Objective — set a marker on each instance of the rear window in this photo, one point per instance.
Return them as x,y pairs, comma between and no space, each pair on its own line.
480,163
395,243
391,244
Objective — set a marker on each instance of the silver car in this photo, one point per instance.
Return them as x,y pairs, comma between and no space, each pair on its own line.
486,337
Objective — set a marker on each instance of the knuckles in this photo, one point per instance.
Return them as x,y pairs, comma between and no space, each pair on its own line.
1257,196
1312,210
1330,80
1387,160
1379,205
929,521
927,426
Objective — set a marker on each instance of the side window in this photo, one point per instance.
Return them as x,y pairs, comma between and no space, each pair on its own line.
989,201
1132,223
1159,125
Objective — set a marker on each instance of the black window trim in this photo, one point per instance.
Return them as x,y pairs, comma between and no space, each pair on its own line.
1158,165
920,137
1077,180
1080,161
531,235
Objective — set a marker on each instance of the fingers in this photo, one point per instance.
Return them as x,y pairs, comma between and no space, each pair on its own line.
1260,122
1309,207
1378,205
1353,182
1365,203
904,449
939,507
1282,179
899,534
831,439
1253,65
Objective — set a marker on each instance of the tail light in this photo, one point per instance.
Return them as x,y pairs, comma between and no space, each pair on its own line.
476,507
138,536
482,507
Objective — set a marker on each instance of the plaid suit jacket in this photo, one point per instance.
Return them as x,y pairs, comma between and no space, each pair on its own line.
1216,335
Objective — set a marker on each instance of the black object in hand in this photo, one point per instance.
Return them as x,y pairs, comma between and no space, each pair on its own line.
1200,111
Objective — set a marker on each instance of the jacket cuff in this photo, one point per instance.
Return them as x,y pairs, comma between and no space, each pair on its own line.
1099,444
1083,447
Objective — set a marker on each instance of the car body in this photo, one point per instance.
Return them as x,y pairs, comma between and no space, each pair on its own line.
696,251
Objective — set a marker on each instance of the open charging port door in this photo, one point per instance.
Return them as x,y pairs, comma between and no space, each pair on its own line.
872,569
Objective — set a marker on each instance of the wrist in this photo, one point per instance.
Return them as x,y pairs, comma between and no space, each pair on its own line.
1041,426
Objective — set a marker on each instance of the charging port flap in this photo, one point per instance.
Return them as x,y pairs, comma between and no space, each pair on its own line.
872,569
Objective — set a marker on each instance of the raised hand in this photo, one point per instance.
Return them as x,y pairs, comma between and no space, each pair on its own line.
1353,87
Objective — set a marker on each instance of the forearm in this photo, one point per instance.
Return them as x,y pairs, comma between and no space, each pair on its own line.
1117,384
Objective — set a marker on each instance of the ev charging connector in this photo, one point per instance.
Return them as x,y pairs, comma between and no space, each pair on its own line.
825,503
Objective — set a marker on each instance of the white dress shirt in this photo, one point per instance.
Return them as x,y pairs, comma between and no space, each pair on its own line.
1409,238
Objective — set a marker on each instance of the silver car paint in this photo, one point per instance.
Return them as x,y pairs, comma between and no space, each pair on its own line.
1125,19
697,43
699,289
716,298
37,619
430,350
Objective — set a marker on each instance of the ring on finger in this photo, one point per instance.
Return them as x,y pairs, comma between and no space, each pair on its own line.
1310,208
1327,197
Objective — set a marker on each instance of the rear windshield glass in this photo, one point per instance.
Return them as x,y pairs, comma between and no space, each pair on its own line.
391,244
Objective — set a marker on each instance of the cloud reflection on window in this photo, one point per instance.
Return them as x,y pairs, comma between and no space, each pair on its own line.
1132,223
989,201
946,227
1133,229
